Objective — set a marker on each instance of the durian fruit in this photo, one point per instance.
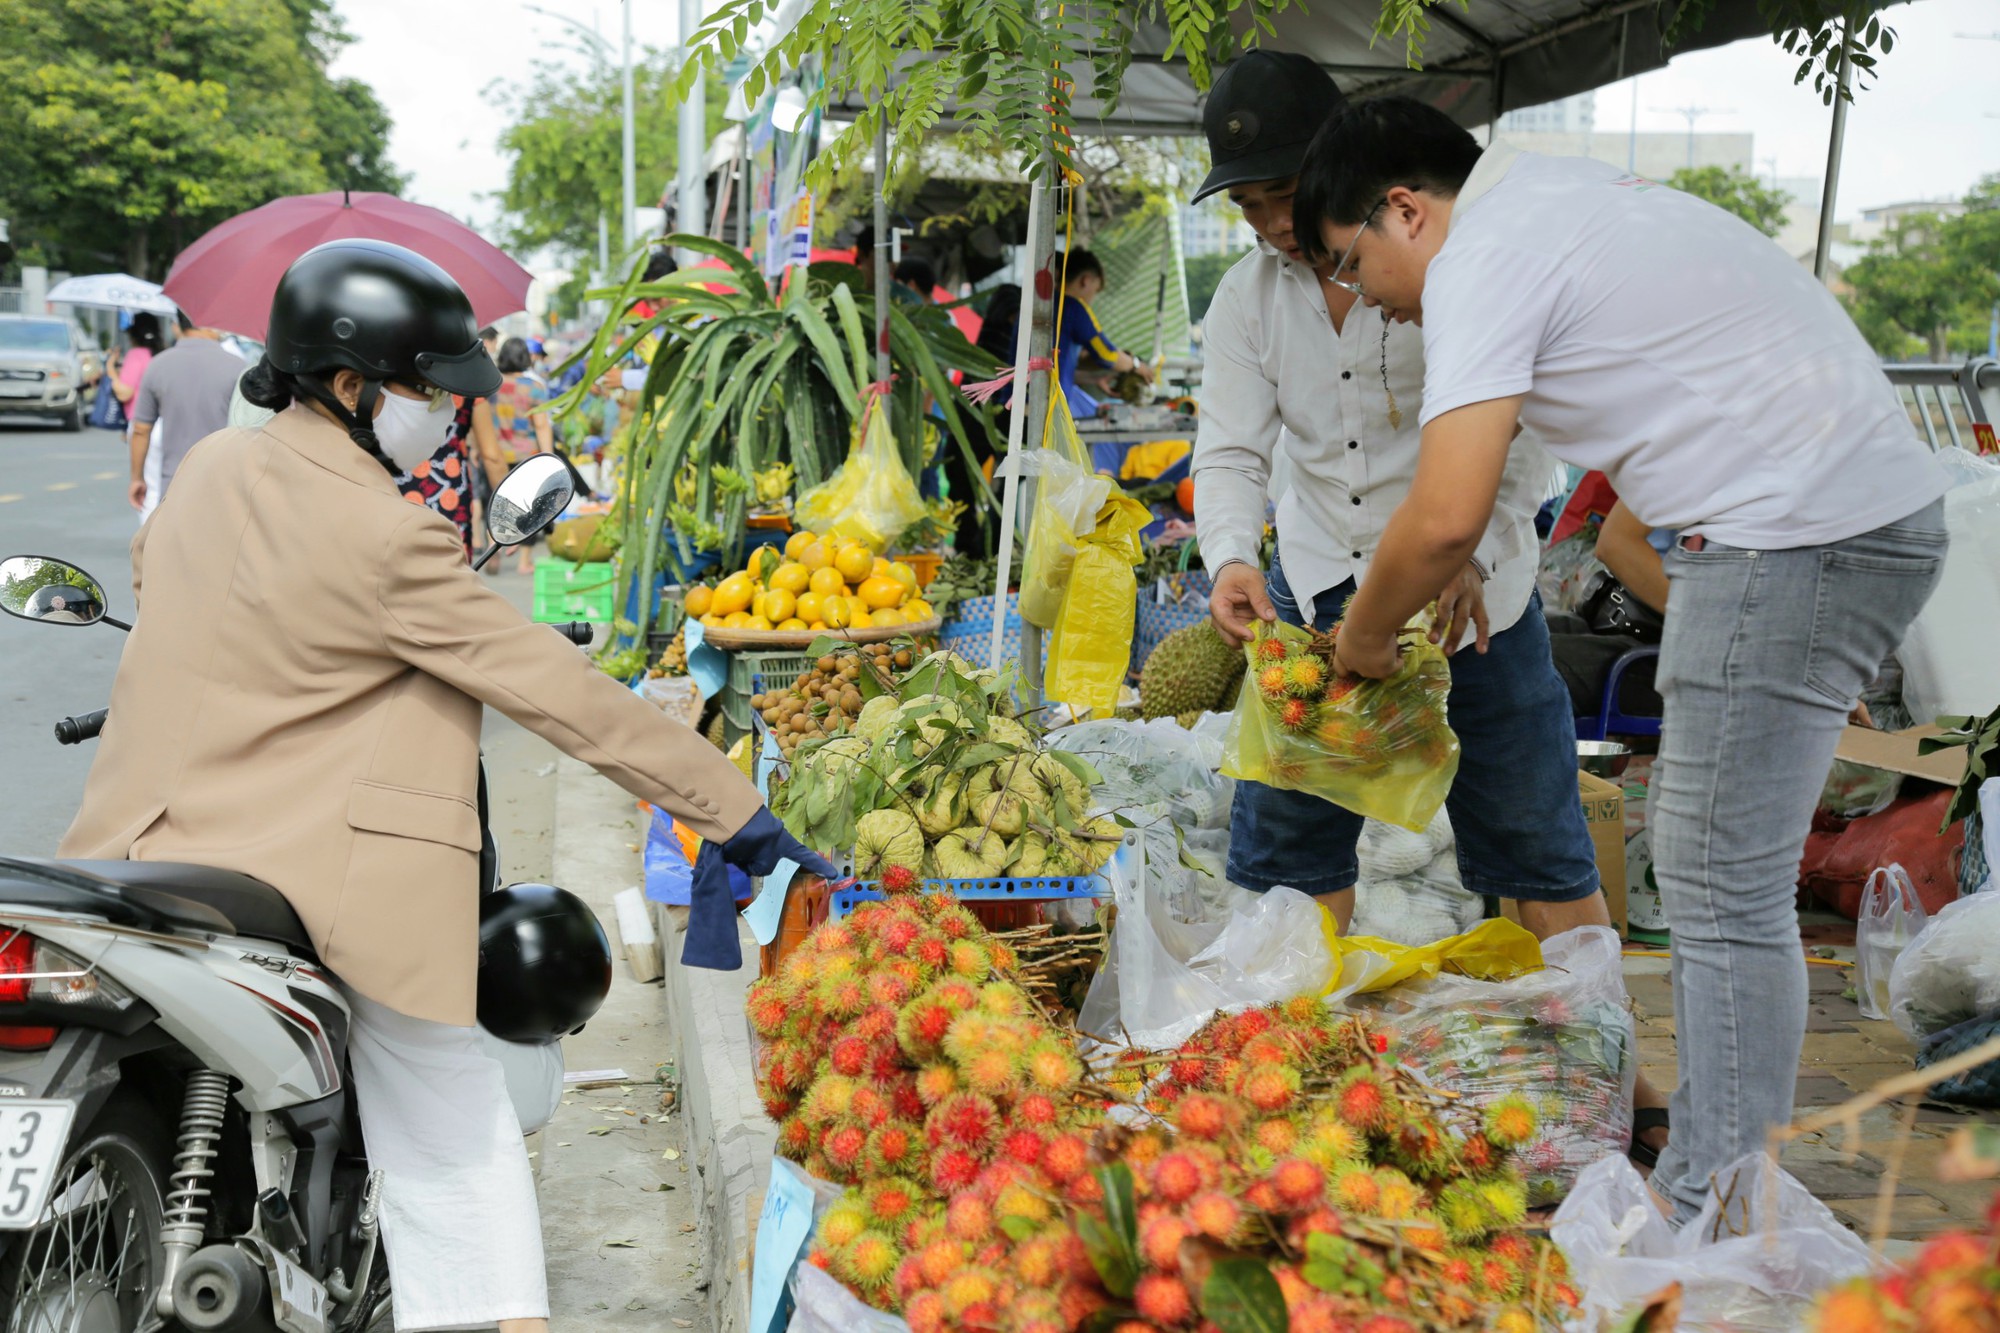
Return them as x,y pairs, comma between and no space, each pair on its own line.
884,838
718,732
1193,670
957,858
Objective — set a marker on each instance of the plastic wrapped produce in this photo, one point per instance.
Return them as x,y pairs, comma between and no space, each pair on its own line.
1891,917
1380,748
1561,1037
1754,1260
1951,971
1409,889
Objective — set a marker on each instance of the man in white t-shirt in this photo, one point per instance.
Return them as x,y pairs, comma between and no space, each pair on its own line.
1640,331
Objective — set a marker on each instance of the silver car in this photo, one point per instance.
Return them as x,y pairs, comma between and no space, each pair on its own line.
42,368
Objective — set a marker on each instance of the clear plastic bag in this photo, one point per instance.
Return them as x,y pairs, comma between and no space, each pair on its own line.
1951,971
1381,748
1742,1263
821,1304
1853,790
1891,917
1409,889
871,497
1090,647
1561,1037
1163,978
1068,496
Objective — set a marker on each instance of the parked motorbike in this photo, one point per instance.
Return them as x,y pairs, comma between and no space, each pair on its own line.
179,1140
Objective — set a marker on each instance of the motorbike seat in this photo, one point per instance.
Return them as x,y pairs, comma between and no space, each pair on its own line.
246,906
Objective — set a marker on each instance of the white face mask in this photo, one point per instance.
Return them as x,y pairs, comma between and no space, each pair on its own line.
410,430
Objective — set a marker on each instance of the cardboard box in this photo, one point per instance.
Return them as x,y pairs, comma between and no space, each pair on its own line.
1896,752
1604,811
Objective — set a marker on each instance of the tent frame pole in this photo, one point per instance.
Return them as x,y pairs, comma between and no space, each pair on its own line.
883,276
1034,338
1835,144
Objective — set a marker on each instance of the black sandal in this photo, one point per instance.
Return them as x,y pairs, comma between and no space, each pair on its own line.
1643,1119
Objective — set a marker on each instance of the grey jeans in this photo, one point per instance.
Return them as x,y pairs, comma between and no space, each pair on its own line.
1764,655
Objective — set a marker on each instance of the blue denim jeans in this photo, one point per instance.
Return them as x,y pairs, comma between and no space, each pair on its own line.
1514,805
1765,652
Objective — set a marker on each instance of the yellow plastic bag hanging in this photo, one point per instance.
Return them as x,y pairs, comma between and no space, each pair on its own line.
1497,950
1090,647
1380,748
870,498
1068,496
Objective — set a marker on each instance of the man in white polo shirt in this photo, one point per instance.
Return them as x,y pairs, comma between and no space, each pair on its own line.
1643,332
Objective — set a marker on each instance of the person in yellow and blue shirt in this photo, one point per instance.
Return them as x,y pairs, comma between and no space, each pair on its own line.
1079,335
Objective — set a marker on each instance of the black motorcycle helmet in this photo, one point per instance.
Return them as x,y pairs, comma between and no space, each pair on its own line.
64,602
383,311
544,963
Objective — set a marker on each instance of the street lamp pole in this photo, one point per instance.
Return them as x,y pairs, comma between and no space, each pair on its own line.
628,166
692,211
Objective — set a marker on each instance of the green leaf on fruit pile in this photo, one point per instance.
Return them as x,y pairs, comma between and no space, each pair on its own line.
1017,1228
1241,1296
1113,1241
1657,1313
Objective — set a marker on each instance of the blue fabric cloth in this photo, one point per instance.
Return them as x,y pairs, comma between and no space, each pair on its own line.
1514,808
1079,335
757,848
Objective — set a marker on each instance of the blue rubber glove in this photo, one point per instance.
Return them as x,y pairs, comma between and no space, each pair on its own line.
757,848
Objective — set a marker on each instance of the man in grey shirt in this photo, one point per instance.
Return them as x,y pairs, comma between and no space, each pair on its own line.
189,386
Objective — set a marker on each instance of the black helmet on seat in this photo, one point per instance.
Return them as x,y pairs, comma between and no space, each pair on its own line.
381,310
544,962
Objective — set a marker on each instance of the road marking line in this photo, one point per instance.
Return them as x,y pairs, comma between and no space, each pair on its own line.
61,486
8,499
106,476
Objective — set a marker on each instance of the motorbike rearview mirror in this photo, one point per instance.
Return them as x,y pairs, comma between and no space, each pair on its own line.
54,592
526,501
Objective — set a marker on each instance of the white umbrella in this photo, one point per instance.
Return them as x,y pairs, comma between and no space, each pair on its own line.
112,291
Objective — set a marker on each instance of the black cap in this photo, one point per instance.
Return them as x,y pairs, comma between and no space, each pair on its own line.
382,310
1261,115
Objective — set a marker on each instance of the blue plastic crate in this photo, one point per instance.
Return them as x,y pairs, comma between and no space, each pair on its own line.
969,632
1172,603
1038,889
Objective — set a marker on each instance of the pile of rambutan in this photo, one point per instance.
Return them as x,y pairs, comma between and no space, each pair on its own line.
1311,727
1952,1285
1375,1203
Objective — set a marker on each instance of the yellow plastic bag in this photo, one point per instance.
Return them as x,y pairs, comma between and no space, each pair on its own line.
1497,950
1090,647
1068,496
1380,748
870,498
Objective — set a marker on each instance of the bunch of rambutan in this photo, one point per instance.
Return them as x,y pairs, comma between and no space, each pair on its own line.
1315,727
1952,1285
1376,1205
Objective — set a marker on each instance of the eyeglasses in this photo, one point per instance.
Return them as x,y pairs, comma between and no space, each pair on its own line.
1340,282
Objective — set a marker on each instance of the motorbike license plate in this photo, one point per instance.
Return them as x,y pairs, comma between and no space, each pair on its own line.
32,1137
19,390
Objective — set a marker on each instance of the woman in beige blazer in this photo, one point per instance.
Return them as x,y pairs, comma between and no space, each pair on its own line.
300,701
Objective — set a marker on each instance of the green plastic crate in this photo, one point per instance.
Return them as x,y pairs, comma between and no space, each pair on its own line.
568,591
749,675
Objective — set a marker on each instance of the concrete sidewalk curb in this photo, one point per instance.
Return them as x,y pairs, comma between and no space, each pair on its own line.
728,1134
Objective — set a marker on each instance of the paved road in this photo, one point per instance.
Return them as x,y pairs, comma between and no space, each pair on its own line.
64,495
60,495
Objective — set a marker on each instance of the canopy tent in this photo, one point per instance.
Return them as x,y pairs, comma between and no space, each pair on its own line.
1491,57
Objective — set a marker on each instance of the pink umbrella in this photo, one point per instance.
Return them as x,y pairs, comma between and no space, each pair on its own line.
226,279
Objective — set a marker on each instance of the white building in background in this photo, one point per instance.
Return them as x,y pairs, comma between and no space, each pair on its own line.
1569,115
1214,227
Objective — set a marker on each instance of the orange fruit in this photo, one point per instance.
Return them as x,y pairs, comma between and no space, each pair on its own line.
736,620
855,562
697,600
904,575
879,590
887,616
1184,494
792,576
757,622
827,582
757,602
814,556
711,620
763,562
792,625
917,609
861,619
817,626
836,612
808,607
797,542
732,594
880,567
779,605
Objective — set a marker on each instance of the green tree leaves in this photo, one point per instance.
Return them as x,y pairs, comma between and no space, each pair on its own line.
1925,289
1739,192
133,128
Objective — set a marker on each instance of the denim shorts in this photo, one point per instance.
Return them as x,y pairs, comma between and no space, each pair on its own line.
1514,806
